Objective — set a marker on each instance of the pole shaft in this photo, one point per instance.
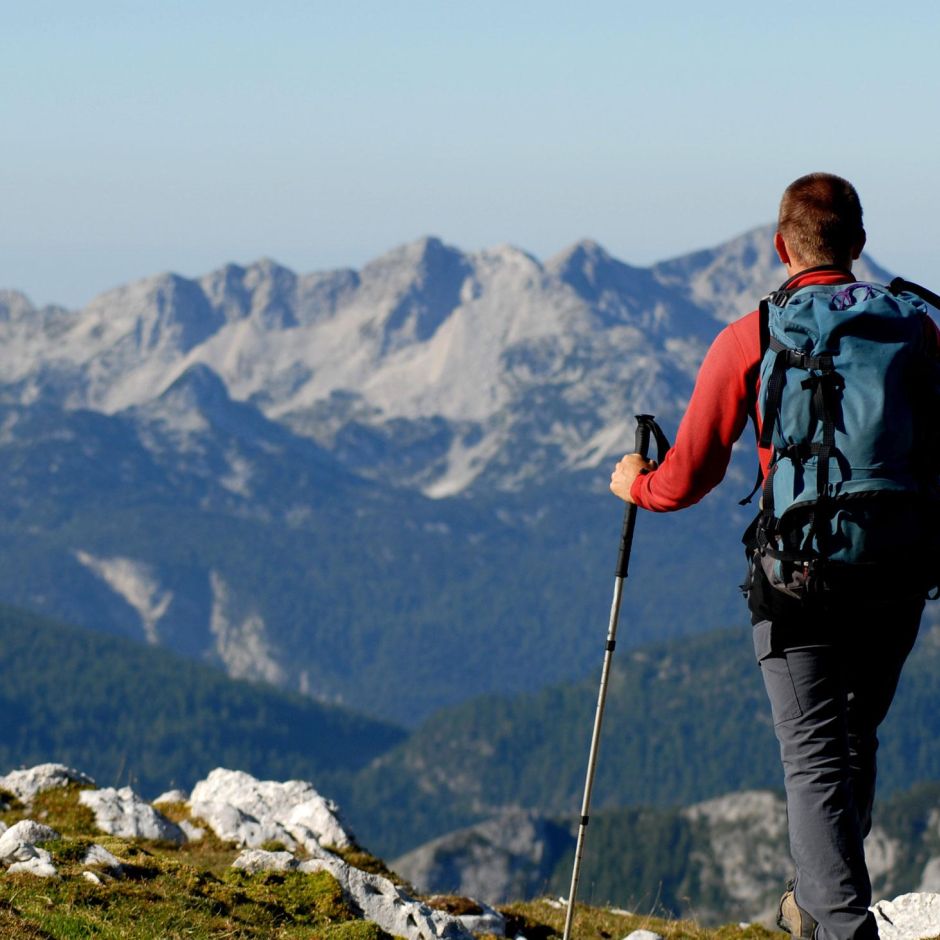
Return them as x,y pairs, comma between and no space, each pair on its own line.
646,425
595,745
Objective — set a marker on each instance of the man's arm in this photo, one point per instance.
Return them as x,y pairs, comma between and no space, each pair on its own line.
717,414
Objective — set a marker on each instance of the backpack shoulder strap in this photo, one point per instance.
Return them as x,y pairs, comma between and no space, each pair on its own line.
763,326
899,284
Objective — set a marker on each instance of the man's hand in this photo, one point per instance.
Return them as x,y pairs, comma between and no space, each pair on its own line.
626,471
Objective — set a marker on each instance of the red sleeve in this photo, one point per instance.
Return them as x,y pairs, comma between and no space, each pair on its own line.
716,416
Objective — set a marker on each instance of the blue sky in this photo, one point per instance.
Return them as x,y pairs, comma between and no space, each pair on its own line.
142,137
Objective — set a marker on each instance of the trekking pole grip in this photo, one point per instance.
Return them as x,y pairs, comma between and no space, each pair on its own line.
644,426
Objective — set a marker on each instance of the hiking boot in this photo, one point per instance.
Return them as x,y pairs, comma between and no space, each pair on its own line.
792,918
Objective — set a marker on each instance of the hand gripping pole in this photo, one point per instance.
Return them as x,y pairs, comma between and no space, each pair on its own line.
646,426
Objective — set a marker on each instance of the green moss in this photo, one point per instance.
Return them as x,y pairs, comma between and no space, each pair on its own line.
174,892
273,845
356,930
540,920
67,851
58,808
365,861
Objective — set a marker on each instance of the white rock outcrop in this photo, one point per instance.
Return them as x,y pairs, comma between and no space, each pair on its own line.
26,784
39,865
100,858
230,824
255,860
239,808
380,901
19,851
123,813
18,843
908,917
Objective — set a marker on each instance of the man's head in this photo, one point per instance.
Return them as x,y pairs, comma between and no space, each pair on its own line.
820,222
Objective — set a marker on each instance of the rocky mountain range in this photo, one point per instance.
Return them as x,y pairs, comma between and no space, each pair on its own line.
454,359
310,479
713,861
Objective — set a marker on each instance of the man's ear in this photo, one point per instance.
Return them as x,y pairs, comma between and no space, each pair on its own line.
856,252
781,246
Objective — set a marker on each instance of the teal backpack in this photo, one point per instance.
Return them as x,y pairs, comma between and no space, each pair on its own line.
850,403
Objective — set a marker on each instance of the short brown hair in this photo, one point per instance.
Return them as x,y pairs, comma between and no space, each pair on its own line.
821,219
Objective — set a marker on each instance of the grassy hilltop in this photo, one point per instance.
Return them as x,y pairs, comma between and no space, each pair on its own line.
191,892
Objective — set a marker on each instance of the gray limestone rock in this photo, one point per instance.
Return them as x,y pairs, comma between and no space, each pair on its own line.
232,825
193,833
908,917
39,864
930,877
643,935
99,857
18,843
745,851
255,860
26,784
123,813
508,857
387,905
378,898
291,812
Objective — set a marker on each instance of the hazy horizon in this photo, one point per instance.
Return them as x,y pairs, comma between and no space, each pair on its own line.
140,140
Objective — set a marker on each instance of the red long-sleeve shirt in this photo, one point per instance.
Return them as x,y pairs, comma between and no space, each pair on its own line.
723,401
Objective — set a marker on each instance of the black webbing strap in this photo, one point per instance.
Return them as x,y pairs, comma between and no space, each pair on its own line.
825,386
763,327
778,378
899,284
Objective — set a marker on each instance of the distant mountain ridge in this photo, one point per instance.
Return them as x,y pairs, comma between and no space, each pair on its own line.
454,356
309,479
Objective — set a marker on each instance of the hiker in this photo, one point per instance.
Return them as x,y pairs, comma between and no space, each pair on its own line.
830,640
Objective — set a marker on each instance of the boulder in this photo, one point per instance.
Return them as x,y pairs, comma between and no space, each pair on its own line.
39,865
193,833
380,901
123,813
387,905
232,825
18,843
26,784
908,917
99,857
255,860
291,812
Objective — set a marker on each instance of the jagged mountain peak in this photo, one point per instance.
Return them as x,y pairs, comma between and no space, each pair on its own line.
509,254
730,278
584,251
198,387
264,290
423,254
590,269
166,310
14,305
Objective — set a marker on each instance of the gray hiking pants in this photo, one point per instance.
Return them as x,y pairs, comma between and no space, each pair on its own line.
831,678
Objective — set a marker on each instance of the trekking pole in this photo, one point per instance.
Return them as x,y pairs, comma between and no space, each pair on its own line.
646,425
